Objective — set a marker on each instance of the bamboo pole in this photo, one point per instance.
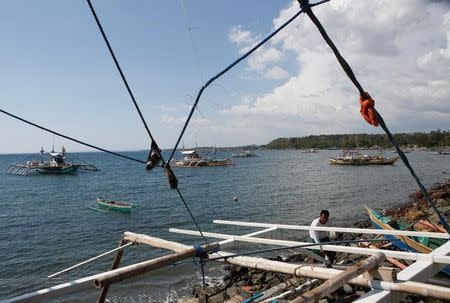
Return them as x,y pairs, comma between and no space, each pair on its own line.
115,264
337,248
142,267
120,248
275,289
299,289
417,288
340,229
334,283
154,242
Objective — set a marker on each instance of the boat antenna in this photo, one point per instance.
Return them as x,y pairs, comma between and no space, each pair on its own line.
53,144
42,154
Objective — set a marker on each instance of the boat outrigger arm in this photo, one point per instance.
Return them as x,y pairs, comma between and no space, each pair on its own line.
386,284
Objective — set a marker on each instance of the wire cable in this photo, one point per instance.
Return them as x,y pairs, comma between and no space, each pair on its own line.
119,69
116,62
70,138
248,53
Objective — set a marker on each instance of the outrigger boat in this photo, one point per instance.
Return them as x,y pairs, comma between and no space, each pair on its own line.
354,157
244,154
57,164
193,159
411,244
113,205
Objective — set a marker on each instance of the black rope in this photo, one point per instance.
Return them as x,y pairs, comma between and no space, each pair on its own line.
70,138
305,6
192,216
230,67
119,69
411,170
116,62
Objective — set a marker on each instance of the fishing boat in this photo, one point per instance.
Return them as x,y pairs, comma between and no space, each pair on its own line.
355,157
442,152
411,244
114,205
56,164
310,151
193,159
244,154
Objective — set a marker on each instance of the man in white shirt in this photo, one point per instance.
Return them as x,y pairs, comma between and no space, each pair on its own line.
319,236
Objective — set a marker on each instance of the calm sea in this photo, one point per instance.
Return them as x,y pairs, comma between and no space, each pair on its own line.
46,225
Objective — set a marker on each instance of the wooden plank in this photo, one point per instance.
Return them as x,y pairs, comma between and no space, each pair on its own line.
339,229
114,265
347,249
337,281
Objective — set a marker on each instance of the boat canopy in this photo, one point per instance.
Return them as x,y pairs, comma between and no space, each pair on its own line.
189,152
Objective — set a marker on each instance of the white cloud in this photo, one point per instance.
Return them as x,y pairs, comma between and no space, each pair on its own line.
399,51
241,37
276,73
263,60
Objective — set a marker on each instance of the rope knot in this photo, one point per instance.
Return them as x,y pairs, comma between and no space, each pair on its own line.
173,181
154,157
367,108
304,5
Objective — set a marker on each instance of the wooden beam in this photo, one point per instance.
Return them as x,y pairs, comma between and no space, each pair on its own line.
337,281
114,265
339,229
133,270
418,271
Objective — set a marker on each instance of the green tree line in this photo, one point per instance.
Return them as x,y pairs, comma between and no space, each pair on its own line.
433,139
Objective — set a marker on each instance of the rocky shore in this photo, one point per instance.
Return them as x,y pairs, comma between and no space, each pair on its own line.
241,284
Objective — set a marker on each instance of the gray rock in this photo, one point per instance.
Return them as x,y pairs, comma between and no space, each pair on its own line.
216,298
360,292
232,291
347,289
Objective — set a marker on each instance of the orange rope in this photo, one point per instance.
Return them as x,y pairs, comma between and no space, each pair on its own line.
367,108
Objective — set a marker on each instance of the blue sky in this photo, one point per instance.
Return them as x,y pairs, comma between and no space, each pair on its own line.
56,71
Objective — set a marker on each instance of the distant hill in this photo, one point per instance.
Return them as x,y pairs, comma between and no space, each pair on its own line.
433,139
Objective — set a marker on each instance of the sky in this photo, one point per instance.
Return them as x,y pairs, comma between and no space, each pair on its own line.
56,71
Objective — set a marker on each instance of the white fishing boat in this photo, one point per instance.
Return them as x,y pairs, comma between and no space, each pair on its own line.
193,159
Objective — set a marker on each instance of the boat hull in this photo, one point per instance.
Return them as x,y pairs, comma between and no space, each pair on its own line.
404,243
126,208
202,163
363,161
58,170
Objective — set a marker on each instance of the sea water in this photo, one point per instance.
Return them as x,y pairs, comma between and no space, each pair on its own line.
46,225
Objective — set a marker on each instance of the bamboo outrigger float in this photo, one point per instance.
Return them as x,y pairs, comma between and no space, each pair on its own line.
385,284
